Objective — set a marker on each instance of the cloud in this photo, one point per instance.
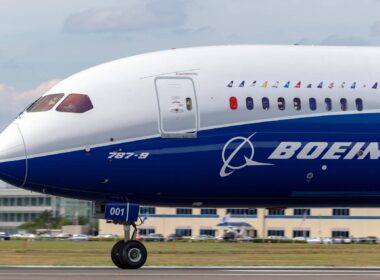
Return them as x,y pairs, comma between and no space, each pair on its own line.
135,15
12,100
30,95
337,40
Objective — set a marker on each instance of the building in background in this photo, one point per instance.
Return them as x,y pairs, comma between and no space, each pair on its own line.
18,206
303,222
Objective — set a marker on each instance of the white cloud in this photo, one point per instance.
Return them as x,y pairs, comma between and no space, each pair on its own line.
30,95
134,15
13,101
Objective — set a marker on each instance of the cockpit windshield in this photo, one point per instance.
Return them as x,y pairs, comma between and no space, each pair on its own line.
45,103
75,103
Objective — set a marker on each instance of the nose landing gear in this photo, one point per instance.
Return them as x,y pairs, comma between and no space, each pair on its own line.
129,253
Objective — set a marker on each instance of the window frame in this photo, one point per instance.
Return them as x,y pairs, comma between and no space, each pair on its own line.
359,104
281,103
249,103
241,211
233,103
43,101
341,212
301,233
276,212
60,106
184,231
340,233
210,232
328,104
147,210
313,101
184,211
208,211
276,232
301,212
297,100
147,231
343,104
265,103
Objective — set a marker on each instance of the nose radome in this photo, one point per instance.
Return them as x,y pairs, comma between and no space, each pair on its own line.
13,165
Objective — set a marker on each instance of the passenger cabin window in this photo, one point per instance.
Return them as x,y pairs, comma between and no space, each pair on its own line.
233,103
45,103
297,104
328,104
265,101
249,103
359,104
189,104
343,104
75,103
281,103
313,104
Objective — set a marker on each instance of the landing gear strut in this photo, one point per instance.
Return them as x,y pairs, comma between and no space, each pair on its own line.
129,253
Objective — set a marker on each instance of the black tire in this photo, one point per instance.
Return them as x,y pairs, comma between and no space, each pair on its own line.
115,254
132,255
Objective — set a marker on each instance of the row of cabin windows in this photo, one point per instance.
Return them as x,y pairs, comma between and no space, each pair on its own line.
297,104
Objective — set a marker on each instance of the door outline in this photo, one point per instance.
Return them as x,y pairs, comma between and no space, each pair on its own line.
160,125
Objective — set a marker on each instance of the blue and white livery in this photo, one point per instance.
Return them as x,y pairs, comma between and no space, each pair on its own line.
268,126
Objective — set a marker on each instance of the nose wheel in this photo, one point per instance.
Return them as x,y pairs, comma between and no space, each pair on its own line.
129,253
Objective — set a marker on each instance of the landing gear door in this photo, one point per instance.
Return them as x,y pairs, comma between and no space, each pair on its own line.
177,106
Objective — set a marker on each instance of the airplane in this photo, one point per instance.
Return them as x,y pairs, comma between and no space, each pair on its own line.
222,126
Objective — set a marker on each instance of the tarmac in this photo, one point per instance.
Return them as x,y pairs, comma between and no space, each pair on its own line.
187,273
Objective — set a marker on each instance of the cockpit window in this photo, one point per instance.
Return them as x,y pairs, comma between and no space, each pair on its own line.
75,103
45,103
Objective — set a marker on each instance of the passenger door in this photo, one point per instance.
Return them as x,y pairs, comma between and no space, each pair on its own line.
178,108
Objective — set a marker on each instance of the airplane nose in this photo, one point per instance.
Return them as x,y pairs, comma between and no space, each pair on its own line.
13,160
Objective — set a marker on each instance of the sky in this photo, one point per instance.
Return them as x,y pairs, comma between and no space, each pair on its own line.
42,42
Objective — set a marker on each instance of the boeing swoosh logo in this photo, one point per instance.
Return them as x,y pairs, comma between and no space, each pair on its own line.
227,168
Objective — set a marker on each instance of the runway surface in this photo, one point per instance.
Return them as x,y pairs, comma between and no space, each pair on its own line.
188,273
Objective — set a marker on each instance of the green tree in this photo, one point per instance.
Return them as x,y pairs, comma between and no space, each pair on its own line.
45,220
83,220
